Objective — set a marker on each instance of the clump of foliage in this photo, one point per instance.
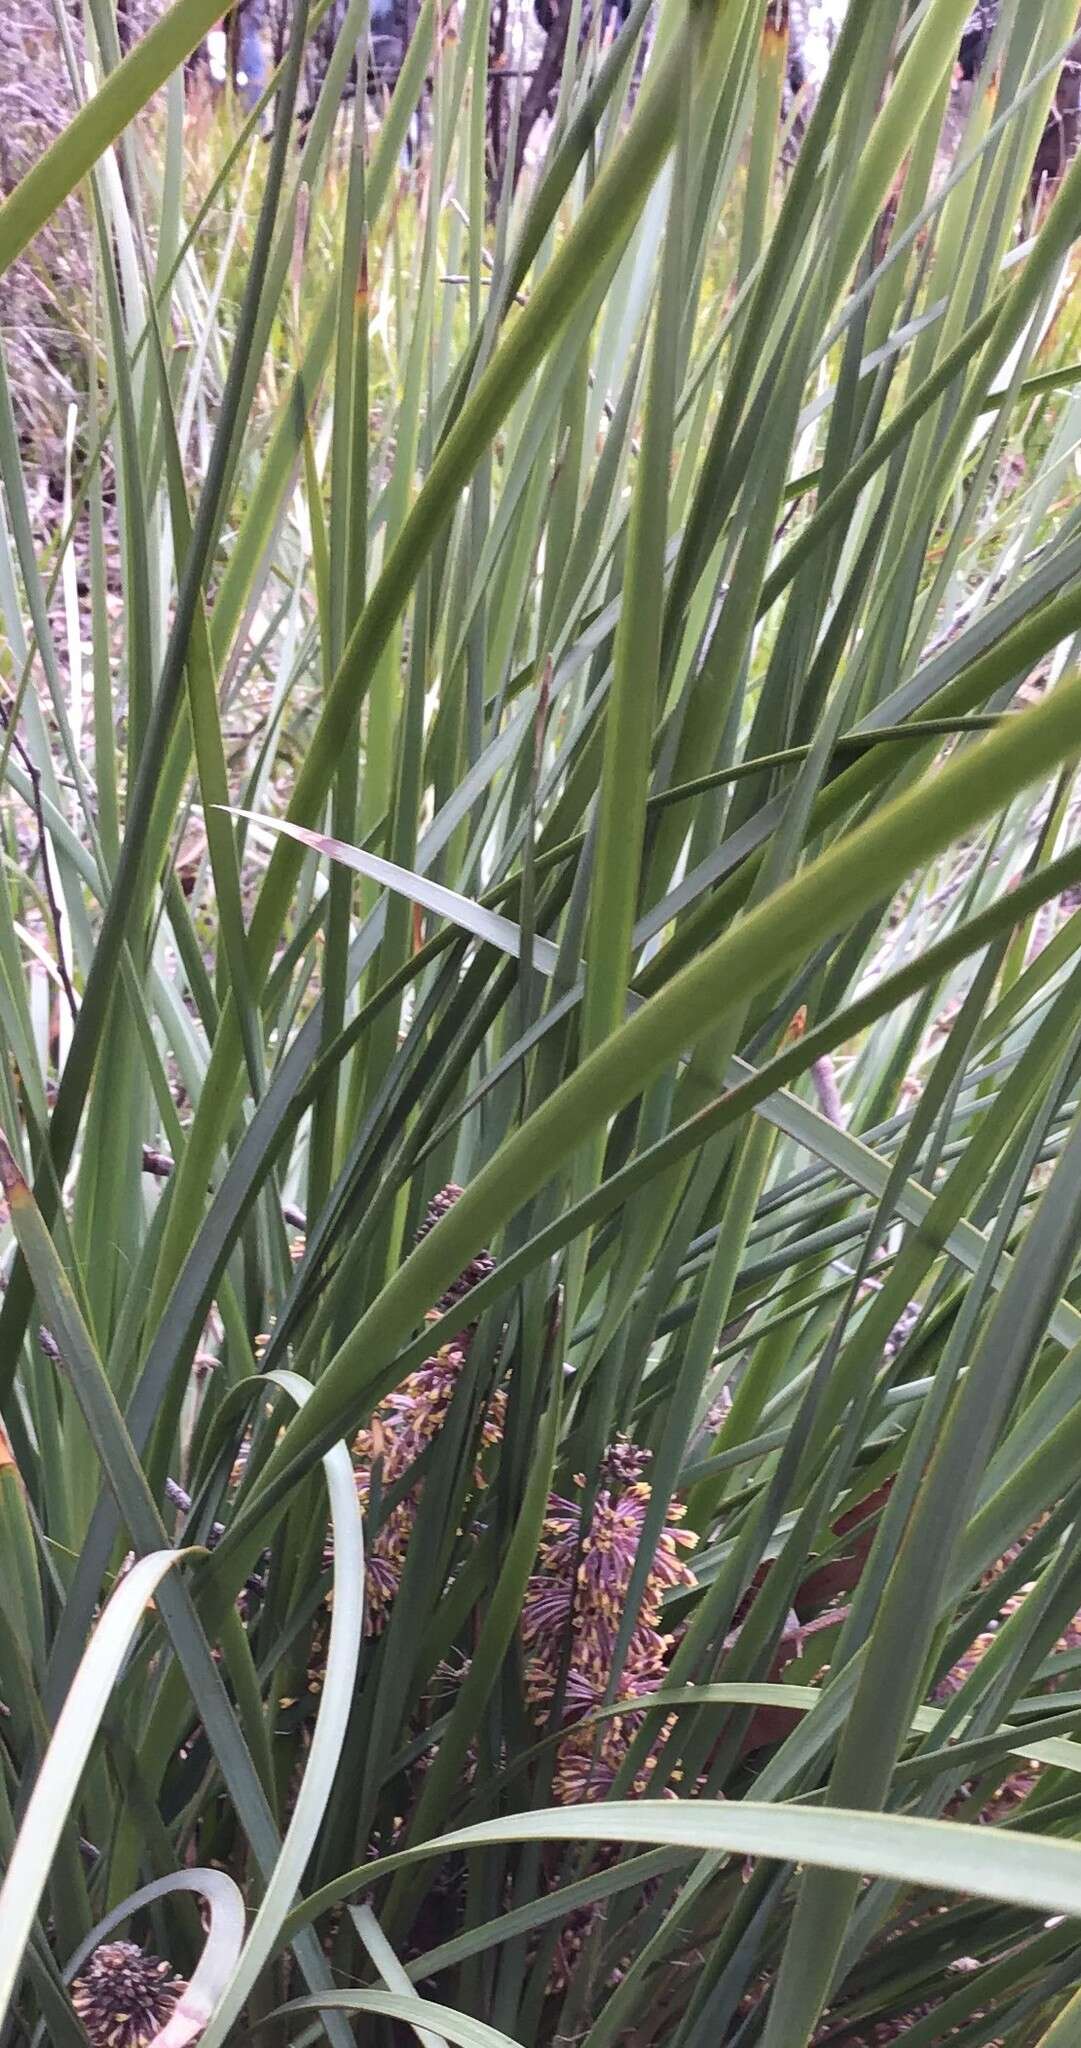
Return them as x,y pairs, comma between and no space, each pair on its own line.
539,1003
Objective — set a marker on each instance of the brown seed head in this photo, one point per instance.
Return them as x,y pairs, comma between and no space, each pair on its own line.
123,1996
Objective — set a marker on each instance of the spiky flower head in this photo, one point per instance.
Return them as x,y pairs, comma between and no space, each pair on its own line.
406,1423
386,1563
478,1269
414,1414
624,1463
439,1206
601,1558
574,1612
589,1759
125,1997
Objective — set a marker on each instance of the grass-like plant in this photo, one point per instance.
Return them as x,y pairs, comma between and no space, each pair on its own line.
539,993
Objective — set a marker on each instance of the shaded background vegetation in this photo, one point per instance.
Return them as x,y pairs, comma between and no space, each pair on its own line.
538,992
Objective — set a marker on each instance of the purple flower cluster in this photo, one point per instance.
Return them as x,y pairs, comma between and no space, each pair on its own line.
573,1611
407,1422
478,1269
577,1597
123,1996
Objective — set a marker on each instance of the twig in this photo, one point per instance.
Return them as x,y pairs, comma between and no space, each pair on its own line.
160,1166
794,1629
